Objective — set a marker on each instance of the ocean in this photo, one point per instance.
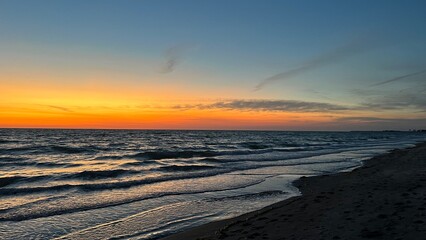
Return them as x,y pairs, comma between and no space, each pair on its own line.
145,184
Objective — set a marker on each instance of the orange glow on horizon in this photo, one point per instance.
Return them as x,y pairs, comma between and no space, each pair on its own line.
45,103
159,119
49,104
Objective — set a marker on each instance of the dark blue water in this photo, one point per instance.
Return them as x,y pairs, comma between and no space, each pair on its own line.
97,184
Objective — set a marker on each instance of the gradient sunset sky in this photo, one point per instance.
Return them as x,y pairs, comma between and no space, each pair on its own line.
234,64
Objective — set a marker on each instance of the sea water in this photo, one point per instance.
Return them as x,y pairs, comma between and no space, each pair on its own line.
134,184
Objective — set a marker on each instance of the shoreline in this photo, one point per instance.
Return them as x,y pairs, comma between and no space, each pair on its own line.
385,198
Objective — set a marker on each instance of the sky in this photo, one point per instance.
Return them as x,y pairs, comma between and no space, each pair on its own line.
204,64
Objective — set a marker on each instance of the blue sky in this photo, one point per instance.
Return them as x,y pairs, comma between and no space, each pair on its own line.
226,45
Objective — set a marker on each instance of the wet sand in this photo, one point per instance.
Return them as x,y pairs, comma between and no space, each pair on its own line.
384,199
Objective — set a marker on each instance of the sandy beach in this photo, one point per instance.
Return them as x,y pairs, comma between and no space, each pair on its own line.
384,199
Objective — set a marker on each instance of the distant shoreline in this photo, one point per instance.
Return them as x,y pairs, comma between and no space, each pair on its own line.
385,198
225,130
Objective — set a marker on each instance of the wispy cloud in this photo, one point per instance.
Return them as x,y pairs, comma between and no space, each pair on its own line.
321,95
320,61
399,78
174,56
269,105
407,102
412,98
58,108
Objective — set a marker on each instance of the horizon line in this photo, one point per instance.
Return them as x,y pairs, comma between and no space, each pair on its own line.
172,129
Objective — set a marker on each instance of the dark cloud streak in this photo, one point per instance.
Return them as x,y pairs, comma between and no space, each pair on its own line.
320,61
398,78
377,104
269,105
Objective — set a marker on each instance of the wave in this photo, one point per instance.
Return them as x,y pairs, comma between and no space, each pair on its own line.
14,162
264,161
187,167
26,212
53,164
69,150
113,157
210,160
158,155
6,181
138,163
12,159
131,183
76,150
104,186
206,154
19,149
255,145
52,149
99,174
2,141
277,155
17,164
250,196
